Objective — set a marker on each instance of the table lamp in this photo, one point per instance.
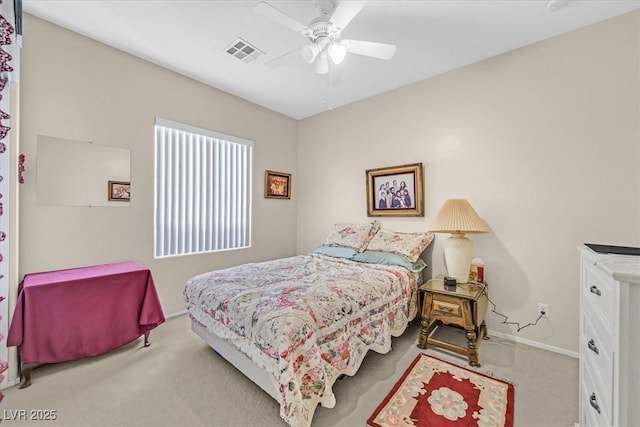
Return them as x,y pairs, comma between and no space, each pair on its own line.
458,218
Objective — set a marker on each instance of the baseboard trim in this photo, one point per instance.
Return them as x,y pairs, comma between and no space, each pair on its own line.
534,344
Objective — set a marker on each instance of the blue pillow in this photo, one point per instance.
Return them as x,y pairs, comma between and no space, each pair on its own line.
387,258
336,251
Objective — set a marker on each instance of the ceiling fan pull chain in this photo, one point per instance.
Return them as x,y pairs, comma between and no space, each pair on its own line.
331,82
323,92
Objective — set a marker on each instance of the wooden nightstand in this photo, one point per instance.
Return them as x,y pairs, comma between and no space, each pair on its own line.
463,306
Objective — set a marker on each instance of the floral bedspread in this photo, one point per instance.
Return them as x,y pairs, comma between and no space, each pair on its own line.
306,320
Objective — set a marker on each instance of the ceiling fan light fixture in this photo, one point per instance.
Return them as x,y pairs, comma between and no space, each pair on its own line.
324,34
322,64
555,5
337,52
309,52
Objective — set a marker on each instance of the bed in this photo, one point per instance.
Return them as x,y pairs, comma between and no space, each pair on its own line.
294,325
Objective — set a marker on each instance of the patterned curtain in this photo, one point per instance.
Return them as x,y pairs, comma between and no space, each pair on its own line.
7,34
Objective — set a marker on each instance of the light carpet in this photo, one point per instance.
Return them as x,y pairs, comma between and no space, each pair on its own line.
180,381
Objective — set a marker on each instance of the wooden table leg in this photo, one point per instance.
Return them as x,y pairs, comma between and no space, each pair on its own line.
25,370
483,331
472,347
424,333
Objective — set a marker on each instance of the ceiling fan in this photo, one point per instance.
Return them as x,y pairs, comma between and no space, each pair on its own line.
324,33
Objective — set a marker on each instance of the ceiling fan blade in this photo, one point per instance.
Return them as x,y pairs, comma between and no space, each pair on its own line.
283,59
281,18
373,49
345,12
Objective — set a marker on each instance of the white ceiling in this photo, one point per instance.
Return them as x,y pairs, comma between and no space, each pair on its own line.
432,37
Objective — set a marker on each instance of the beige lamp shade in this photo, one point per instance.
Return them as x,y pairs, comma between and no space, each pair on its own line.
458,217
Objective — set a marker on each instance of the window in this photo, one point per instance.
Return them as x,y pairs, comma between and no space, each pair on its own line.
202,190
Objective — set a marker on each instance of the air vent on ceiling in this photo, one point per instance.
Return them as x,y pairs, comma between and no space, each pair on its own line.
244,51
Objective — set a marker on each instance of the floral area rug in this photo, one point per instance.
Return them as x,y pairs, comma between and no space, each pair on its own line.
433,392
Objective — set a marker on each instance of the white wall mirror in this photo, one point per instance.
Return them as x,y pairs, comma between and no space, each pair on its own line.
81,173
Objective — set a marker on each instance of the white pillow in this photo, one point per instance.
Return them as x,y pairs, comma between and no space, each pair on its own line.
352,235
410,245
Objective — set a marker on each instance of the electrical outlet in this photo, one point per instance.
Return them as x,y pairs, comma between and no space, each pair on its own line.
543,309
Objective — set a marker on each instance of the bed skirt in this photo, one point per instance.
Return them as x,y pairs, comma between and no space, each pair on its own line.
237,359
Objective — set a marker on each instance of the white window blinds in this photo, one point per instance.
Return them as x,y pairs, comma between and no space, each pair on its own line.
202,190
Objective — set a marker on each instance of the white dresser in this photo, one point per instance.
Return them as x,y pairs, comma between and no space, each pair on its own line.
609,339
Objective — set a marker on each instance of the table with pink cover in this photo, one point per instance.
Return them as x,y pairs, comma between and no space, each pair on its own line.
81,312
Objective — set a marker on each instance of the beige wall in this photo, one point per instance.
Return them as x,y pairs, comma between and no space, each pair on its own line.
78,89
543,141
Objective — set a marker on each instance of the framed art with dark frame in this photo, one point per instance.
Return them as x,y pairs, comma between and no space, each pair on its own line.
277,185
395,191
119,191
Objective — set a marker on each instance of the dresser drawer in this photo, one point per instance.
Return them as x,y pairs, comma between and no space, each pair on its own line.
593,405
609,301
598,296
446,308
450,310
596,353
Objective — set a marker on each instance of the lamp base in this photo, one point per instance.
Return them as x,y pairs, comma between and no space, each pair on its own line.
458,252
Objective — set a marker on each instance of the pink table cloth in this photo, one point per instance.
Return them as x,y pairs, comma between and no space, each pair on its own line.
71,314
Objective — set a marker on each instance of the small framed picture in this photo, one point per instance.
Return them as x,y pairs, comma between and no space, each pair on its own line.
277,185
395,191
119,191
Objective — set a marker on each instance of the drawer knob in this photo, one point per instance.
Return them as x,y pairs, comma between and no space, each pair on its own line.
594,290
592,346
594,402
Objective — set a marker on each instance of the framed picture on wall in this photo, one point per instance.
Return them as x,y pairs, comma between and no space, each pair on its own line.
277,185
119,191
395,191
